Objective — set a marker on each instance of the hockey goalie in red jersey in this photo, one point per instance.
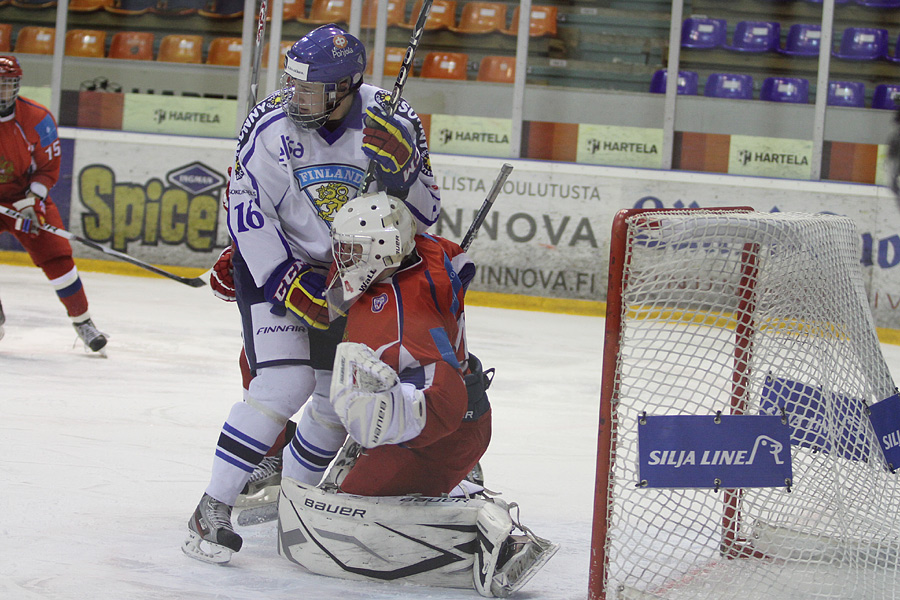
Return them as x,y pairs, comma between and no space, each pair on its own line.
29,168
408,392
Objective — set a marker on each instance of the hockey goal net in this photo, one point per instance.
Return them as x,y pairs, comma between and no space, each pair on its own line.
730,313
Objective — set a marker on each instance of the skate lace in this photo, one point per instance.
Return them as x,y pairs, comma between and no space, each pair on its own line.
218,514
270,465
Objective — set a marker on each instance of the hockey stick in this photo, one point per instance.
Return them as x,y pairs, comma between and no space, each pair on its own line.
191,281
402,75
257,56
505,170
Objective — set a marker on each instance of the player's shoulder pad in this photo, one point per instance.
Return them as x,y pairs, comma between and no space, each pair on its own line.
261,111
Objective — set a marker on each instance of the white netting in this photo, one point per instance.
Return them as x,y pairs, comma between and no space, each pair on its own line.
690,277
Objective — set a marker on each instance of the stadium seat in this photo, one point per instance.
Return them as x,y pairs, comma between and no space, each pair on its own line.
445,65
291,11
87,5
785,89
5,37
863,43
393,58
847,93
886,96
132,45
879,3
130,7
543,21
687,82
285,46
756,36
90,43
729,85
481,17
181,49
224,51
442,15
224,9
34,3
802,40
323,12
178,8
896,57
396,13
498,69
33,39
701,32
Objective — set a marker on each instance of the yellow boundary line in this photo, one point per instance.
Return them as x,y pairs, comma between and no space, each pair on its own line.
474,298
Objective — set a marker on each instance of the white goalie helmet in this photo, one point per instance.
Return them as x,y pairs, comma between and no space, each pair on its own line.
369,235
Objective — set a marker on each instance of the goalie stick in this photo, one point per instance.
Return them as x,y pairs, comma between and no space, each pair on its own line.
191,281
402,75
505,170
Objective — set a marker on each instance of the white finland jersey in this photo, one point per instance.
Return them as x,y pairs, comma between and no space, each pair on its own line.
288,182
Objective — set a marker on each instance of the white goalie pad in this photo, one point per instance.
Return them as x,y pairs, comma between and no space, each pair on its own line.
413,539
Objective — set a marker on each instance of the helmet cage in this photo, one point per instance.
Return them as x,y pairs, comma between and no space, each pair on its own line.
9,91
314,103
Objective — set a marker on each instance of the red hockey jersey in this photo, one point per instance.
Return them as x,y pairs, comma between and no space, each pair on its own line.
414,322
29,151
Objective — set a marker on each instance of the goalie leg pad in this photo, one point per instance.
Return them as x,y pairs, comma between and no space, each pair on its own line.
414,539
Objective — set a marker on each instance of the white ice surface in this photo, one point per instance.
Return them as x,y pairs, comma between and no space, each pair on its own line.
102,461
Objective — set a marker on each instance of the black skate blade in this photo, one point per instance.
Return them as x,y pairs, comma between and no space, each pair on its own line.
258,515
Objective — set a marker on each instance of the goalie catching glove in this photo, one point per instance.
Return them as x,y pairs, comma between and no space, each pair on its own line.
31,207
371,402
390,142
297,287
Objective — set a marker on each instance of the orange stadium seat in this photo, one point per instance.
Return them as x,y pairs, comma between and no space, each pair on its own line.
396,13
291,11
132,45
5,37
130,7
393,58
87,5
34,3
481,17
543,21
499,69
86,42
442,15
181,48
285,46
445,65
33,39
225,51
323,12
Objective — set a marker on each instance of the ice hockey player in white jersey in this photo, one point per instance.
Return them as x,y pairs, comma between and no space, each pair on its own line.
302,153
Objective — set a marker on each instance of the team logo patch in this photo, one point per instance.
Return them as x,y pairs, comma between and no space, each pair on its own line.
379,302
7,170
340,41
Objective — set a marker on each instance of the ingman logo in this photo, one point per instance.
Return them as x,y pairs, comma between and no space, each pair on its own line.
195,178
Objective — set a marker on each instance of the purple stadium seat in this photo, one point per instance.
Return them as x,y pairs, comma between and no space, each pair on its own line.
863,43
802,40
879,3
886,96
847,93
785,89
729,85
700,32
756,36
687,82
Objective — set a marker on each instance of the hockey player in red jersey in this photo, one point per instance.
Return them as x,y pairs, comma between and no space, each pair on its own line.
29,168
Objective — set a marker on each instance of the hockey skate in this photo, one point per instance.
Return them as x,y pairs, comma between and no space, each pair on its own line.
90,335
258,502
211,538
505,562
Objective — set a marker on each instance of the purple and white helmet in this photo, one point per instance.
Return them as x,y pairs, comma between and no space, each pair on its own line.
321,69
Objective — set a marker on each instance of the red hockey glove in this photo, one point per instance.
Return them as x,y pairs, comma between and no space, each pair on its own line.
32,210
299,288
389,142
221,278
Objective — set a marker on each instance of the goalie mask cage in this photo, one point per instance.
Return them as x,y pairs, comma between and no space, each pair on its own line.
733,311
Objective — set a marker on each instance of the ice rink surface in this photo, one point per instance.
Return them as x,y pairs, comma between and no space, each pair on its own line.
104,460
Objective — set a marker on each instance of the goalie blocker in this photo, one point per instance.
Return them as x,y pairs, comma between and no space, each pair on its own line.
444,542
